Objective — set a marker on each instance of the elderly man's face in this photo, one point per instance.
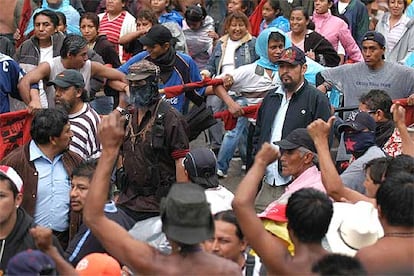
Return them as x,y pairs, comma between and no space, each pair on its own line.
293,162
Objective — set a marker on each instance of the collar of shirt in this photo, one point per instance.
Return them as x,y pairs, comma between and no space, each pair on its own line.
110,207
35,153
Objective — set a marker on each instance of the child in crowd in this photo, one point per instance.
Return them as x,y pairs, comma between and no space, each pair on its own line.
272,16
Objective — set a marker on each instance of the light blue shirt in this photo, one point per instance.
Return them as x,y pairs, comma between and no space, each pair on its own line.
273,176
53,188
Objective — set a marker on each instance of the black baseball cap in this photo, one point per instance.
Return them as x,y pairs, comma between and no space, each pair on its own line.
297,138
158,34
200,164
375,36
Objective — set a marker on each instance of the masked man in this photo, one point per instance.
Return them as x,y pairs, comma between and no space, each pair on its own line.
359,139
156,142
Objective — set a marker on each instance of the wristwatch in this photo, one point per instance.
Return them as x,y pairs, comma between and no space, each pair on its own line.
122,111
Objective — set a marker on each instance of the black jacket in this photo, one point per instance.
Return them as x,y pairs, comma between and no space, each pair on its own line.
322,48
306,105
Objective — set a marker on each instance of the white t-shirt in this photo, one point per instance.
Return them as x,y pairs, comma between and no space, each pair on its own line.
45,55
228,58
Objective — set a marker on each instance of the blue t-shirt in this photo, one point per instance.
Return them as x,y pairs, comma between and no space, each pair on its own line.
178,102
10,74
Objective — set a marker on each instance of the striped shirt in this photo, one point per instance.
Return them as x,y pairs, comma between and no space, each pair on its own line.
84,125
395,33
112,29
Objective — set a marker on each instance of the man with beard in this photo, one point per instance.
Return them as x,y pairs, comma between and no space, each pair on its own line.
176,68
45,164
156,141
292,105
72,96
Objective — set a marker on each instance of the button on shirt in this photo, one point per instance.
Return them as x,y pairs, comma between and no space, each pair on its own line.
53,188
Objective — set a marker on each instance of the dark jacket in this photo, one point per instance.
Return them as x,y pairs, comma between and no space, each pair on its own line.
358,19
20,238
84,242
322,48
305,106
28,54
19,159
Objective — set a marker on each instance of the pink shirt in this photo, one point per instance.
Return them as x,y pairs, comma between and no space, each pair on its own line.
335,30
311,178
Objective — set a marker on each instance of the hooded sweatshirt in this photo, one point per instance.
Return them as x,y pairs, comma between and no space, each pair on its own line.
20,239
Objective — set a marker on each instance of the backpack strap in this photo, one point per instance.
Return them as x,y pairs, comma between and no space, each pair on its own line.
158,137
250,262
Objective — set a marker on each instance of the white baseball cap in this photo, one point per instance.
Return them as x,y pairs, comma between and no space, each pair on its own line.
13,176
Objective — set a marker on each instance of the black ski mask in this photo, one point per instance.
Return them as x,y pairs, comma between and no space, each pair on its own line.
144,95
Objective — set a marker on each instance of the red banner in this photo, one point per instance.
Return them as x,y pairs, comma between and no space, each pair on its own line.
14,130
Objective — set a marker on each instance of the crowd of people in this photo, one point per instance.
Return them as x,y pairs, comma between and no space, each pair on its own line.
316,97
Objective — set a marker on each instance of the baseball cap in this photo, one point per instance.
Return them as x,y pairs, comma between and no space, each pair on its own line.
98,264
200,163
68,78
142,70
13,176
185,214
358,121
292,55
375,36
31,262
297,138
158,34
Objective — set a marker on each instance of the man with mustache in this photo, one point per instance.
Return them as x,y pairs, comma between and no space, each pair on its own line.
72,97
292,105
45,164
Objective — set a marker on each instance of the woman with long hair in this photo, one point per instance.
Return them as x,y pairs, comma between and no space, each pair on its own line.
398,30
312,43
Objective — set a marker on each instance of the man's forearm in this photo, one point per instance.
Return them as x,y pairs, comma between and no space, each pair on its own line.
34,96
25,91
118,85
63,267
407,144
222,93
330,177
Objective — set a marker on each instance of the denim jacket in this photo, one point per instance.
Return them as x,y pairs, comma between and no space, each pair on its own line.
245,53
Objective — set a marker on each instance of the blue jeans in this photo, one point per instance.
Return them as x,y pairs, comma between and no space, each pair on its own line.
103,105
232,138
